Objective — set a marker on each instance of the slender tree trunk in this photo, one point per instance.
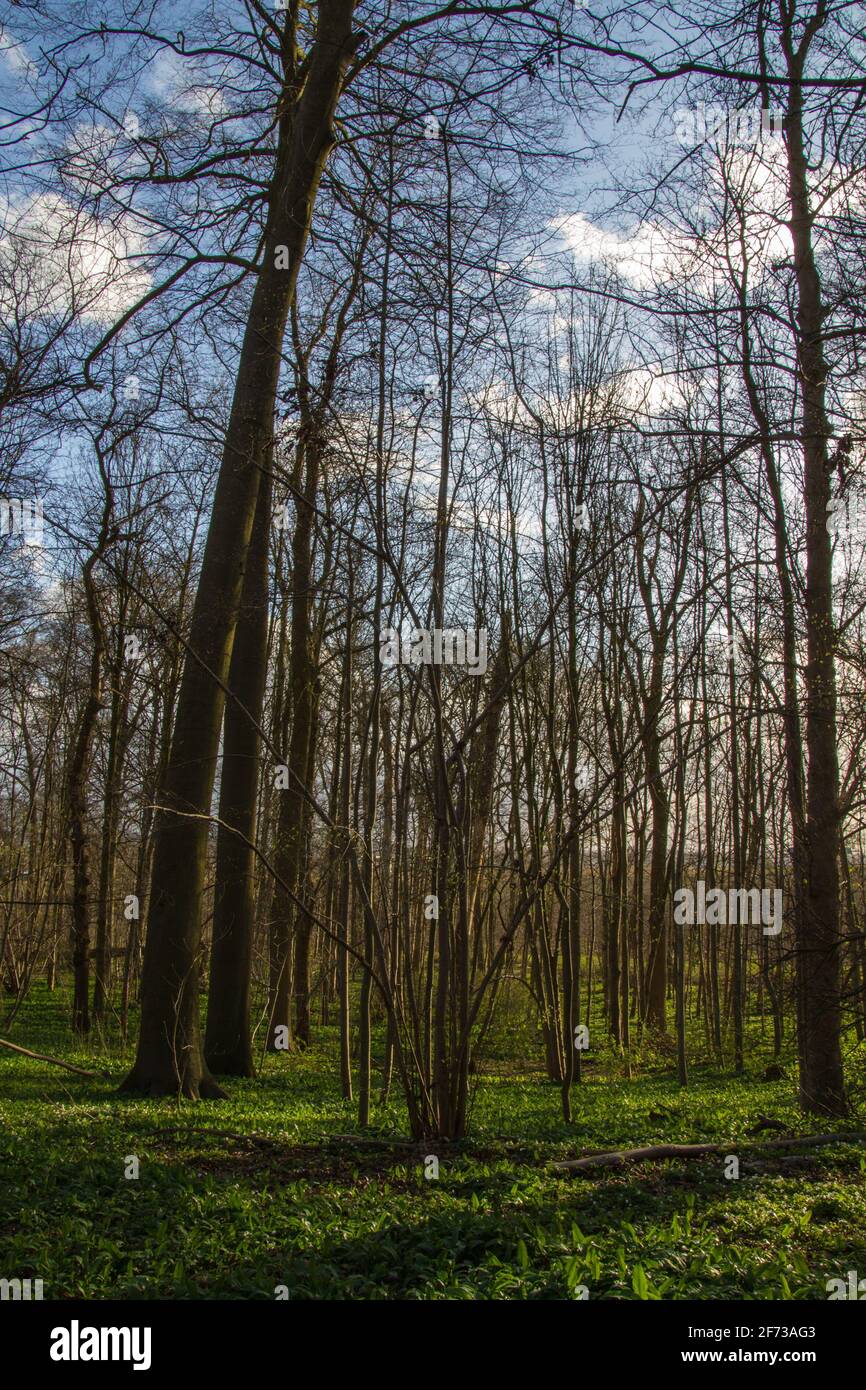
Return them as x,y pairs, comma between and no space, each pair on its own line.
118,739
344,907
76,787
293,817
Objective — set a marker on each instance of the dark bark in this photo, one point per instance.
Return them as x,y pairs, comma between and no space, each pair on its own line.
228,1045
170,1057
76,786
819,930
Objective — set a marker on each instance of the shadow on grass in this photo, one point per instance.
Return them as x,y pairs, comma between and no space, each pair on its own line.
236,1218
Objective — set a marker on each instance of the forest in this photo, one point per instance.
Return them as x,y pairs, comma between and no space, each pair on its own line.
432,650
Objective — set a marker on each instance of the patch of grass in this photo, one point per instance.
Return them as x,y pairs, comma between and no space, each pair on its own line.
264,1190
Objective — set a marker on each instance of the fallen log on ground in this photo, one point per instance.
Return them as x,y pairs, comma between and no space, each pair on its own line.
619,1157
43,1057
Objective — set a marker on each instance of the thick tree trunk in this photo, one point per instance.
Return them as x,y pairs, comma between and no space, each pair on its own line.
170,1057
228,1046
819,942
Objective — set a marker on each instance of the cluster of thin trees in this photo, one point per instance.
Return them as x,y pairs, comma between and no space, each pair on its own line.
303,351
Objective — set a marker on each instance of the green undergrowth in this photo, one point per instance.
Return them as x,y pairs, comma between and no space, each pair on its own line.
274,1192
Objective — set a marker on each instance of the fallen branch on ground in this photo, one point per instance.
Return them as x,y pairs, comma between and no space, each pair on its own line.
619,1157
215,1134
368,1141
43,1057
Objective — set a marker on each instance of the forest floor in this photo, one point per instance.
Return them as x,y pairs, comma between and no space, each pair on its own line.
272,1194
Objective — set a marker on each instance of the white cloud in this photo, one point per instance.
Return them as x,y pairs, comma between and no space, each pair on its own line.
54,259
652,254
14,55
642,258
172,82
648,392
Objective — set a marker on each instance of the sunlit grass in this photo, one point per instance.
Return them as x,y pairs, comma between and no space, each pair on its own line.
212,1215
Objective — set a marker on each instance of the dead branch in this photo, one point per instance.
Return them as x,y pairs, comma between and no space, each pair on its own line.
619,1157
43,1057
259,1139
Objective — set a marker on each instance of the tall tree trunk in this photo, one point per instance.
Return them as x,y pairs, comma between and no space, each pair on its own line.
76,786
170,1057
819,945
341,845
118,741
228,1045
293,817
